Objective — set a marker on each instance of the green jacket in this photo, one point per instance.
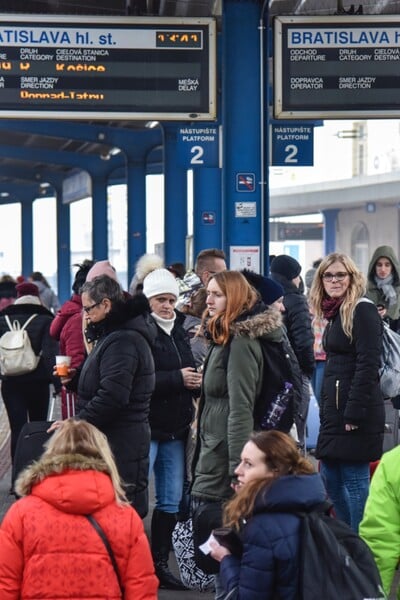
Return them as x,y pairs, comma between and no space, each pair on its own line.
380,526
225,419
373,292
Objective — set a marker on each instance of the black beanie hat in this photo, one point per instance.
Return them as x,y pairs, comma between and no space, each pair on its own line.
286,265
269,290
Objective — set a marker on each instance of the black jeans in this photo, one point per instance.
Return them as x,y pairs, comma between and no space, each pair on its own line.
23,402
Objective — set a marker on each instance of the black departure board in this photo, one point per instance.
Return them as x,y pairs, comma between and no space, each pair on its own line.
107,68
337,67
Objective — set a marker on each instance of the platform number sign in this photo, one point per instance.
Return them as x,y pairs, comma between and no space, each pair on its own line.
292,145
198,146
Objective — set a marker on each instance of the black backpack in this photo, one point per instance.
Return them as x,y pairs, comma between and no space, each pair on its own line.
334,561
280,366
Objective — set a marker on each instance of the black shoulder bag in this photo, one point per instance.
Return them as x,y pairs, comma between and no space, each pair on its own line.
105,541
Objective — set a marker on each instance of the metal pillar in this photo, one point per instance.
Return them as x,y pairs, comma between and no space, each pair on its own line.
175,201
207,213
63,248
99,218
330,217
241,117
27,237
136,190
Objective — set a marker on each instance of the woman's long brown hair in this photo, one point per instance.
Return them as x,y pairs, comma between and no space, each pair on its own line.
282,457
240,296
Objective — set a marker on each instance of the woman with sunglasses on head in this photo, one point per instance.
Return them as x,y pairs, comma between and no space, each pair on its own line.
274,482
116,381
352,410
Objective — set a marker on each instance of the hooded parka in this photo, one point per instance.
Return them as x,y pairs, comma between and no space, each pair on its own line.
49,550
227,401
350,391
380,524
67,328
115,387
270,564
376,294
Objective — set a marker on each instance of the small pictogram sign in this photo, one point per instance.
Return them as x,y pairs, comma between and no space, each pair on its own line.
245,182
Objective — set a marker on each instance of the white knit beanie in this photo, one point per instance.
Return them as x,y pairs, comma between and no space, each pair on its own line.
160,281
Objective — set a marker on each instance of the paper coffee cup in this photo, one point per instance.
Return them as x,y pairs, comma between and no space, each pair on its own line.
63,364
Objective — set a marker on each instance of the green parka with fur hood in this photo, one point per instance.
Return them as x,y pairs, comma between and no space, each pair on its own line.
229,392
375,293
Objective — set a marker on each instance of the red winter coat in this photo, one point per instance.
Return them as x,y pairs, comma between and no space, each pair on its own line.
49,550
67,328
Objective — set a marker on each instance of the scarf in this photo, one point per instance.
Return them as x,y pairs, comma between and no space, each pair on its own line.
330,307
386,285
166,325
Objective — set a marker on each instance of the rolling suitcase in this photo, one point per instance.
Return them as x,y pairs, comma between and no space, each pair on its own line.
68,399
29,446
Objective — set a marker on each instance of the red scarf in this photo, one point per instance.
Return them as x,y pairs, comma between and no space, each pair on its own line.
330,307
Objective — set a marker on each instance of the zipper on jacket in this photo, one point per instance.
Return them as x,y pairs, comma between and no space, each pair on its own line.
337,394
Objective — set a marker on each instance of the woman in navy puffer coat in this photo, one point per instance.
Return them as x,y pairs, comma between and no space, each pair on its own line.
274,482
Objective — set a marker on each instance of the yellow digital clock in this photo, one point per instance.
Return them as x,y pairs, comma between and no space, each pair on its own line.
179,39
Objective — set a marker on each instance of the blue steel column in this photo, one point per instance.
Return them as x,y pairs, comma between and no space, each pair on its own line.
175,201
27,237
63,248
99,219
207,233
136,191
241,116
330,218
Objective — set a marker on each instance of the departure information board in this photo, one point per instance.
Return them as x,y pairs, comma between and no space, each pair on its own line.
103,68
337,67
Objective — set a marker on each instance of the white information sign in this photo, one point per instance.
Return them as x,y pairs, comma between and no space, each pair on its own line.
244,257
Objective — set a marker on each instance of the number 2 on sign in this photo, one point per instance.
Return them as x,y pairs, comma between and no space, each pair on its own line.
291,151
198,152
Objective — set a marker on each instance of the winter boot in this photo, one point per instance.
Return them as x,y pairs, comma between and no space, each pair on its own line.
162,526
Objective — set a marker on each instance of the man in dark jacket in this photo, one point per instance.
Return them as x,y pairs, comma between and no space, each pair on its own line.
286,271
27,396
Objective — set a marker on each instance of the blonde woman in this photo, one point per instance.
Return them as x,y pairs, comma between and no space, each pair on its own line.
352,409
48,548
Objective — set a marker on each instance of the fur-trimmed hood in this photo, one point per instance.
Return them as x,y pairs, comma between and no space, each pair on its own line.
133,313
268,323
70,482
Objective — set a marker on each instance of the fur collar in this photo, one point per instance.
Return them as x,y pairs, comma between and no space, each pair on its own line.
266,323
47,466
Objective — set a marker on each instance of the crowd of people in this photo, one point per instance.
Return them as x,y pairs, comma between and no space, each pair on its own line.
165,380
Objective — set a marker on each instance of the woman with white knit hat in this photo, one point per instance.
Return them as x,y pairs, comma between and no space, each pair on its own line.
170,414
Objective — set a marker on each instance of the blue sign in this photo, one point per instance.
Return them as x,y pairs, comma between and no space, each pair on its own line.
198,146
292,145
245,182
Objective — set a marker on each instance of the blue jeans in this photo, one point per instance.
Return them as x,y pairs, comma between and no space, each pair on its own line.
347,484
167,459
317,378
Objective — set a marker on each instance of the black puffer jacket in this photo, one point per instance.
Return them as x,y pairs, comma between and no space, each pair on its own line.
114,390
39,335
297,320
351,392
171,407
